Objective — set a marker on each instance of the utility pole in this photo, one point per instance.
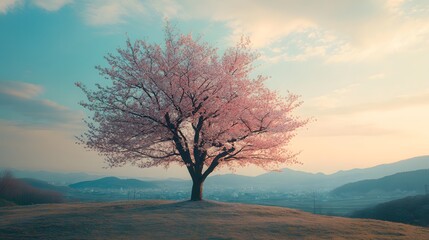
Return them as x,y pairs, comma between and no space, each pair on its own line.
314,202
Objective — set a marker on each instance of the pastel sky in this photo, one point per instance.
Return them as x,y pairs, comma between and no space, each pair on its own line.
361,68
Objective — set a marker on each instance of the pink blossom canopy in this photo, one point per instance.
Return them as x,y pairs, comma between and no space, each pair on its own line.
181,102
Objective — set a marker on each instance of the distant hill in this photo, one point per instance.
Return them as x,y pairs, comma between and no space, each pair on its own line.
20,192
412,182
292,180
55,178
189,220
44,185
383,170
289,179
411,210
114,183
285,180
230,181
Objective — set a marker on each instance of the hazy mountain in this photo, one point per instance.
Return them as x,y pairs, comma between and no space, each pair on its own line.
291,180
230,181
383,170
412,182
411,210
39,184
55,178
286,180
114,183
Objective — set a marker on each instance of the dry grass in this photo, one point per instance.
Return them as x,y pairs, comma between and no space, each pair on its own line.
188,220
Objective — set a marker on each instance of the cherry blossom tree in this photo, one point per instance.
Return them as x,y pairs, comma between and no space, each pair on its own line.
180,102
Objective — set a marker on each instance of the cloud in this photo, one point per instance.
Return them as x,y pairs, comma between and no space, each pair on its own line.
265,22
394,6
51,5
399,102
381,39
331,30
333,100
167,8
20,89
327,129
109,12
300,46
377,76
7,5
20,103
332,104
400,116
349,30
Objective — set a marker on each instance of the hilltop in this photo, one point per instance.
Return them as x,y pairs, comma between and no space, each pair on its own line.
412,182
188,220
411,210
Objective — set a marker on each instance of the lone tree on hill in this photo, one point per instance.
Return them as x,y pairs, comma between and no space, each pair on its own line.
182,103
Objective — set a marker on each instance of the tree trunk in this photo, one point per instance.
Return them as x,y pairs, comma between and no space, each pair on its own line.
197,190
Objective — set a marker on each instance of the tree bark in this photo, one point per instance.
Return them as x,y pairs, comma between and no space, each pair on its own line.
197,190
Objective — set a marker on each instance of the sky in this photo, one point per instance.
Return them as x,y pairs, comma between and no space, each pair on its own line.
361,68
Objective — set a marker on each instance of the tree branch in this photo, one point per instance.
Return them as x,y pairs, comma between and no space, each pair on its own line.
215,162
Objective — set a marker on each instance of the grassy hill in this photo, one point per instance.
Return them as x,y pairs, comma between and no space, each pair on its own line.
411,210
412,182
22,192
188,220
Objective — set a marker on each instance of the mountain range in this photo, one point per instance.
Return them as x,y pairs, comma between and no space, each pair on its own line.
291,180
411,182
55,178
285,180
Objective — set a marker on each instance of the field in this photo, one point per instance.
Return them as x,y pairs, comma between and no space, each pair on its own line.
188,220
